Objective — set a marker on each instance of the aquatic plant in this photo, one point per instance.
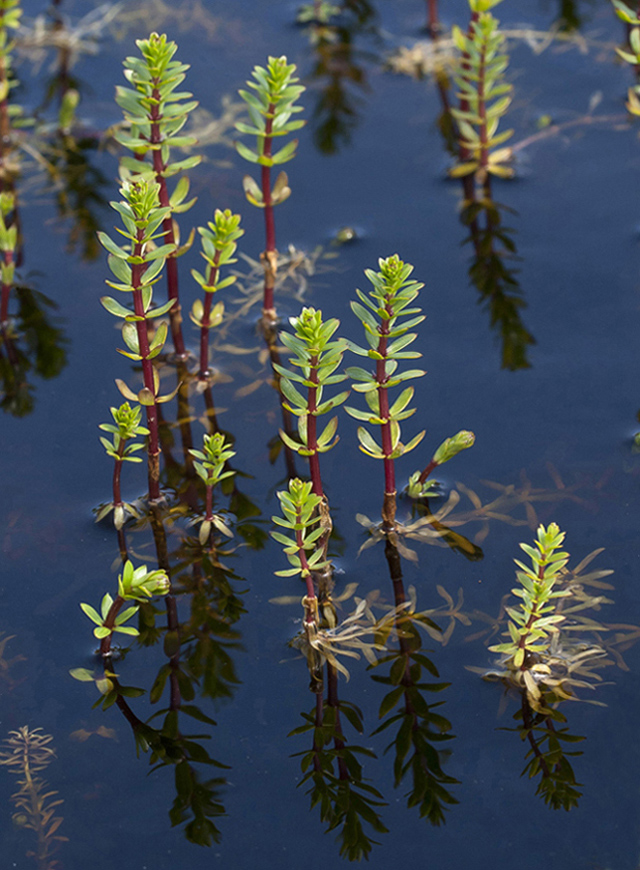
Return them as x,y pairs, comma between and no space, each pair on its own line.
218,241
157,113
302,516
270,104
315,361
485,97
631,53
137,267
213,457
387,336
25,753
383,314
134,584
535,618
127,427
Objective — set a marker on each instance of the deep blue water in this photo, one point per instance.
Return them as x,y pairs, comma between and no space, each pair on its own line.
575,219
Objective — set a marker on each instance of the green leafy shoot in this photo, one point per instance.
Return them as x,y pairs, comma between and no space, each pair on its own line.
134,584
535,620
316,358
127,426
271,102
485,97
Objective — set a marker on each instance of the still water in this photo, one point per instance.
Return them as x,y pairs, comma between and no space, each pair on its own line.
535,352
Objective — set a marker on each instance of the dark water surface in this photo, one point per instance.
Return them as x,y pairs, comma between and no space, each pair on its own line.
566,420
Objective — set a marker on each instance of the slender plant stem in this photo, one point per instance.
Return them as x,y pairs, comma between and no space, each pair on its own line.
206,314
110,621
147,373
427,471
433,23
117,470
270,256
389,505
312,435
169,236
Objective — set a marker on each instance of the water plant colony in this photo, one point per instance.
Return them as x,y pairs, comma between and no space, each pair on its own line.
188,597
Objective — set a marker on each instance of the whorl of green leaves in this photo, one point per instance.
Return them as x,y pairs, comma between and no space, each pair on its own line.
142,217
300,515
212,458
480,77
315,359
153,102
270,103
133,585
533,621
632,56
127,426
218,241
449,448
387,319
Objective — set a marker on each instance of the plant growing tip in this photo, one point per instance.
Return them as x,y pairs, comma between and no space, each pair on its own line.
218,240
270,104
156,114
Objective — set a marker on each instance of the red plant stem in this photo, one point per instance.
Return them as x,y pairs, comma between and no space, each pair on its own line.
482,112
169,237
204,329
432,16
147,373
427,471
306,573
389,507
312,435
209,503
110,621
269,222
117,469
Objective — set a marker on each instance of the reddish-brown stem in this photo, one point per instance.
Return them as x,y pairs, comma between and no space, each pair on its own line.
209,503
206,313
110,621
117,469
147,373
270,255
306,573
389,506
395,572
432,17
167,225
173,624
312,435
482,113
427,471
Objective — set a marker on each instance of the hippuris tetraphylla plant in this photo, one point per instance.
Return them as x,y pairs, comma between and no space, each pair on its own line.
157,113
270,104
136,267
